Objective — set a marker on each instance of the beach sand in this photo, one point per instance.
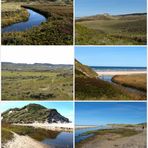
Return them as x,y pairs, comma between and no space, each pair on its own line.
24,142
112,73
115,141
53,126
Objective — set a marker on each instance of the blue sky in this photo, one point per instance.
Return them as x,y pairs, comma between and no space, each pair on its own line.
112,56
92,7
100,113
64,108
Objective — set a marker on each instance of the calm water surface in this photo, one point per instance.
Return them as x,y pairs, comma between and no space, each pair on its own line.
34,19
78,132
62,140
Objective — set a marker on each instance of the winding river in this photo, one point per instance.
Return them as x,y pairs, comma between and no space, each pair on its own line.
34,19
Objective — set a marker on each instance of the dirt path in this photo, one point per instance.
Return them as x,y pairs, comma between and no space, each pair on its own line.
24,142
136,141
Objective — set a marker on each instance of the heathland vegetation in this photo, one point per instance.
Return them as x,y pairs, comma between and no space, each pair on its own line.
57,30
106,29
36,81
89,86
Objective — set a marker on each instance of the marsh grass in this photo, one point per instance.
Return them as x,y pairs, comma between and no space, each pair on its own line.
123,132
138,81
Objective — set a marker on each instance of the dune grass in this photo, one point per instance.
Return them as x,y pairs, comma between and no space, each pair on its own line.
138,81
36,85
6,135
128,30
57,30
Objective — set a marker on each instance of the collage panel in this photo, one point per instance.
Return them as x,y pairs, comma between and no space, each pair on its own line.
110,125
37,22
111,22
37,124
45,73
110,73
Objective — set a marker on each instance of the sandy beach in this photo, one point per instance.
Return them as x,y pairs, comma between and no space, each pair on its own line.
24,142
112,73
83,127
53,126
115,141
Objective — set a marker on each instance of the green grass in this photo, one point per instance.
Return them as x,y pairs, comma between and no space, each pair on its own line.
138,81
6,135
57,30
36,85
128,30
121,131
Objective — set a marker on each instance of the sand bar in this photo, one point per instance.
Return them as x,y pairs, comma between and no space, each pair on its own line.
53,126
112,73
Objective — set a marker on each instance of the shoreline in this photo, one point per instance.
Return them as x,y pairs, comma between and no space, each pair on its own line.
112,73
23,142
109,140
65,127
84,127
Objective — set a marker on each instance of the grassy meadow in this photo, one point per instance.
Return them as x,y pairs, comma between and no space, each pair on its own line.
138,81
57,30
111,30
36,85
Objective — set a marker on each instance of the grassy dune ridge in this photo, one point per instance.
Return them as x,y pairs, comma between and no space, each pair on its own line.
136,81
109,30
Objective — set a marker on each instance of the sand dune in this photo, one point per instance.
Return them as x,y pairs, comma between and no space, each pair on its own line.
24,142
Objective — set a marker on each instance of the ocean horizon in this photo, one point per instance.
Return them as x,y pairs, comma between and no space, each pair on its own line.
117,68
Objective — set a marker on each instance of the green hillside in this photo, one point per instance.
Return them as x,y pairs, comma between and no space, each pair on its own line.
32,113
107,29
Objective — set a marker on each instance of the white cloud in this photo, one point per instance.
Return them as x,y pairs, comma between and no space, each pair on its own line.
38,54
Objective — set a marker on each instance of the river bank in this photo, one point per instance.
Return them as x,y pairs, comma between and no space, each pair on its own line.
39,136
13,13
68,127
